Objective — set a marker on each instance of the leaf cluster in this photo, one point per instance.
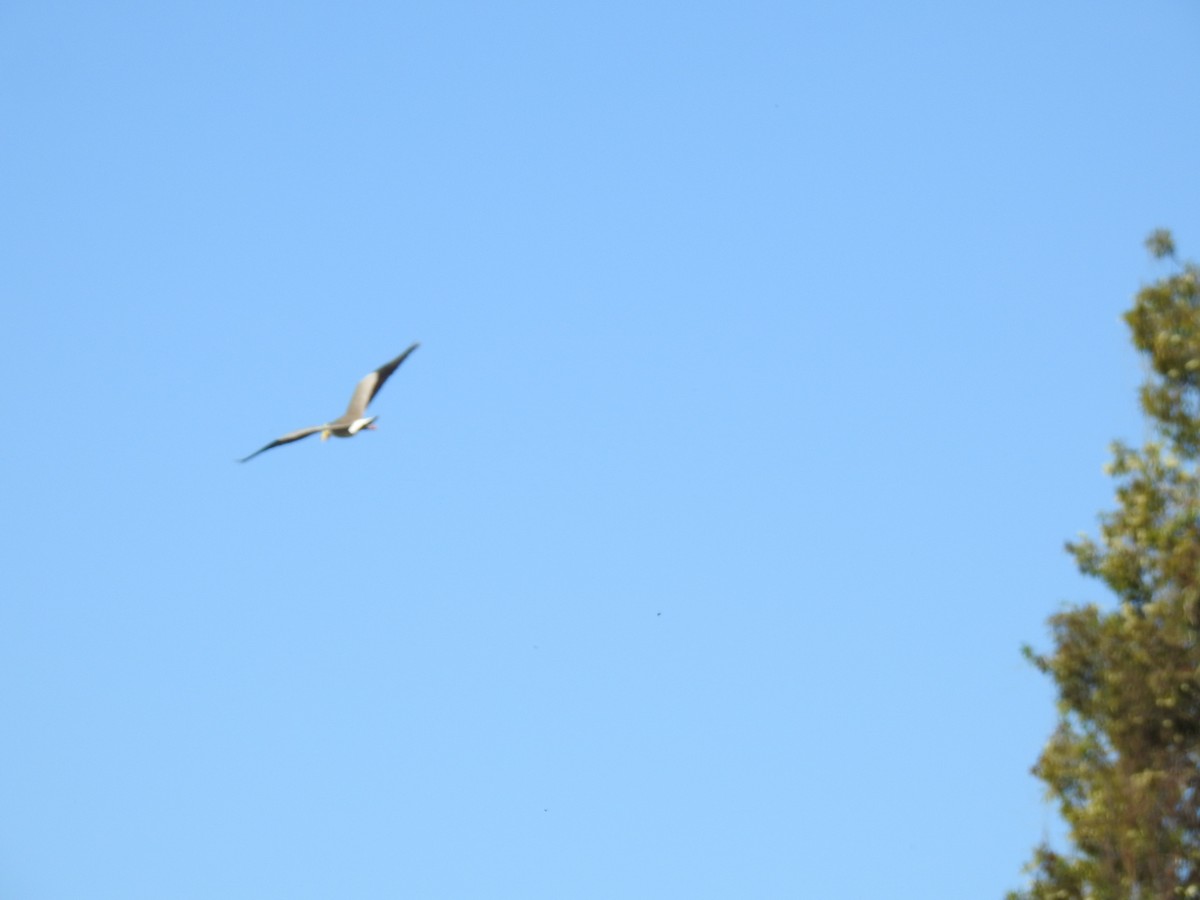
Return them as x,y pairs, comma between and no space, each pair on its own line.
1123,763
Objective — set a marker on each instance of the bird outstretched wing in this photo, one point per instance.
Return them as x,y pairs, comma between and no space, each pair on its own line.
366,389
286,439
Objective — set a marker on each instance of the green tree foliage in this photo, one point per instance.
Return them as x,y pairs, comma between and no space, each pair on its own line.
1123,764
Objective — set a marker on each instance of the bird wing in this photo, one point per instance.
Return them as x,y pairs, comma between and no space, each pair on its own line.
286,439
366,389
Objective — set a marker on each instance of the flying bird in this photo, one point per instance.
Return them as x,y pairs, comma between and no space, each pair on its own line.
353,420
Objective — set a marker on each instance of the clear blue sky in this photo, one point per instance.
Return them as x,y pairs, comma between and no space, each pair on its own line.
770,352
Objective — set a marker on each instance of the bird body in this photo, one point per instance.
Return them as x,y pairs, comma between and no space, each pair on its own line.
350,430
353,420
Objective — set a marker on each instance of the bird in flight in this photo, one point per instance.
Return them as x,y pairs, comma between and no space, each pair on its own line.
353,420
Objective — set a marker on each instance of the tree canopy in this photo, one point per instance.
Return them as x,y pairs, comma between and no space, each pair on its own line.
1123,763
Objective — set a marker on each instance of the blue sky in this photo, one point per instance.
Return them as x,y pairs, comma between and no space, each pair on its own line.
770,352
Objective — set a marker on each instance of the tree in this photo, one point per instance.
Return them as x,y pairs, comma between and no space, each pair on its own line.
1123,763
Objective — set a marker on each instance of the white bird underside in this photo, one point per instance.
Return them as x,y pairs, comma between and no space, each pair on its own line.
353,420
